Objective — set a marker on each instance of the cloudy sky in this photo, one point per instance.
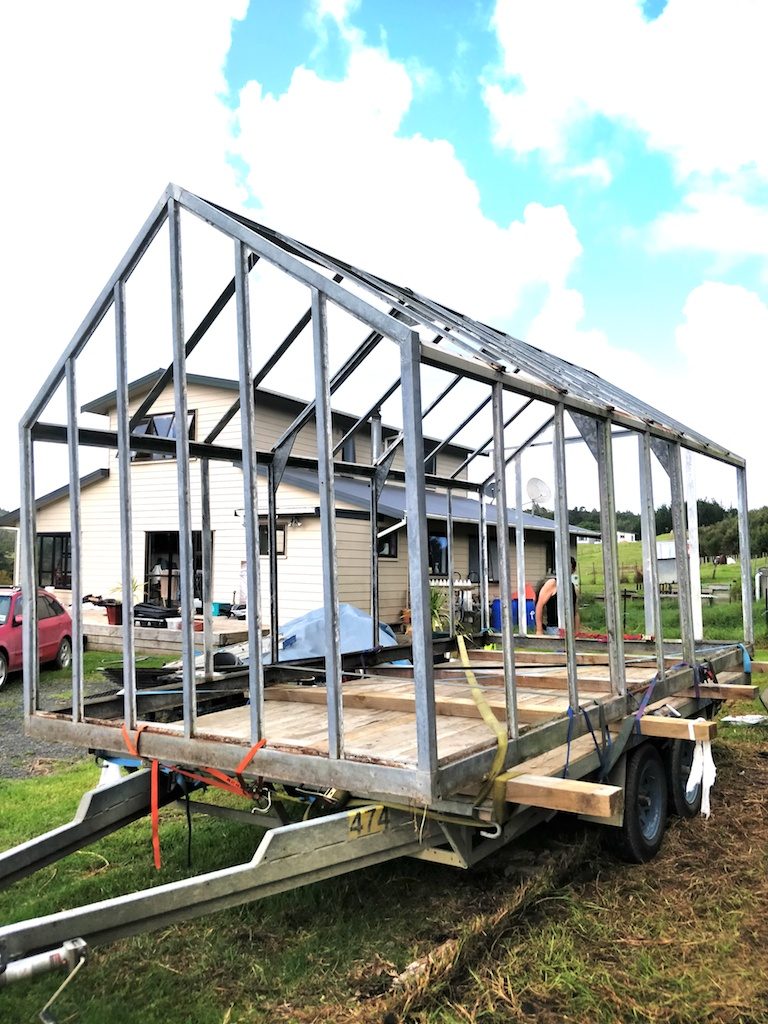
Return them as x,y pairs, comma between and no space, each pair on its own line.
591,176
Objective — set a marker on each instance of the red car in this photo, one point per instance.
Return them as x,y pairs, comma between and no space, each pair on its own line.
54,631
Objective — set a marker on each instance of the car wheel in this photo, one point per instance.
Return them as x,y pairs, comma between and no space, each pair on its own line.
3,669
679,761
645,805
64,656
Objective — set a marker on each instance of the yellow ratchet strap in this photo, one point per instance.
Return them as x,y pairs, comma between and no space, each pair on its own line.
498,728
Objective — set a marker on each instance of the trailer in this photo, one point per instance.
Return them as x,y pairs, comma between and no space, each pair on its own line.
442,749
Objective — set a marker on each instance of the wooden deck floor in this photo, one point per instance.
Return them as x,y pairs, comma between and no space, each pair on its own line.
379,709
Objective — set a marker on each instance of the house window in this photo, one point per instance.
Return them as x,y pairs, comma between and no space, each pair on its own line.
387,546
430,463
348,450
264,540
438,554
160,424
54,560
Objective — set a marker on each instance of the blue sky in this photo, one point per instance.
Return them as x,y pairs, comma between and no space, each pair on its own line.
591,176
632,292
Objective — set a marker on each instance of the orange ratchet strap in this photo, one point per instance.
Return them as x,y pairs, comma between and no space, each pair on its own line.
213,777
154,778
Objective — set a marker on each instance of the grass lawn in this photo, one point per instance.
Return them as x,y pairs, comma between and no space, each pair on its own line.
589,558
552,929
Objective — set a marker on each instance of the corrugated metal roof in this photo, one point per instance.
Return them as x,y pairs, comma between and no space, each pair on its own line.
392,503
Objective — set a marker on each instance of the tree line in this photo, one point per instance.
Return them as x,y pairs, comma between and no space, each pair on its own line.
7,553
718,525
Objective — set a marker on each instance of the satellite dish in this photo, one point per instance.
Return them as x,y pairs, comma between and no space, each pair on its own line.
538,490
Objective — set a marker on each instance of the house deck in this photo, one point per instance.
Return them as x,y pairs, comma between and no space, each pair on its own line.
100,636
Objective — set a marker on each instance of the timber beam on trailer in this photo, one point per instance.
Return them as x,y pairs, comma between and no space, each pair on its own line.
390,781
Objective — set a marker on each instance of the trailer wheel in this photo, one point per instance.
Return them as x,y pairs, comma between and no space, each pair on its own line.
645,805
679,759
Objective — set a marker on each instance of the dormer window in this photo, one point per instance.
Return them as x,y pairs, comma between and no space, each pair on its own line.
160,424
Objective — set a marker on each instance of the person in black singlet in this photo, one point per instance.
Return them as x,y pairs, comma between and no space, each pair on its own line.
546,605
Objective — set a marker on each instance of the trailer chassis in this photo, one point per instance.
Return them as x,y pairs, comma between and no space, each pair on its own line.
290,854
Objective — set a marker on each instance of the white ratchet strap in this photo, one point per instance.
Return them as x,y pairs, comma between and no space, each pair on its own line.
703,769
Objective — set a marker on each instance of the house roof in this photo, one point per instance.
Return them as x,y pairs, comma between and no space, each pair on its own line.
12,518
353,492
392,503
264,396
144,384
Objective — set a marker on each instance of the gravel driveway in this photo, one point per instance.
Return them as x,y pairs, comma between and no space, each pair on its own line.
21,756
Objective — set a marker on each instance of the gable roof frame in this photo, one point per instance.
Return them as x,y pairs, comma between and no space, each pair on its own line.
498,350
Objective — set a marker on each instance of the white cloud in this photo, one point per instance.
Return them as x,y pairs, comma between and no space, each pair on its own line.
103,104
338,10
724,340
720,346
327,163
597,170
692,81
559,329
103,128
717,222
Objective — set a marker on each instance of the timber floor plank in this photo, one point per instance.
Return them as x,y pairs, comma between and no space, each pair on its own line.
379,711
378,734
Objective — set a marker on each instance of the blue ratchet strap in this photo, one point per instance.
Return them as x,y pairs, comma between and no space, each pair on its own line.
644,703
698,672
568,743
594,740
747,659
605,731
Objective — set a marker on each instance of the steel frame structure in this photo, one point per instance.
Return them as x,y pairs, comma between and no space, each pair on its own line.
426,334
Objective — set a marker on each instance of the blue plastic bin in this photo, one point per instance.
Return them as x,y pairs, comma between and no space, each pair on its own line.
530,613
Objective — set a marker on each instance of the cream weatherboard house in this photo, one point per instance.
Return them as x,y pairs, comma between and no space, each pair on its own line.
154,500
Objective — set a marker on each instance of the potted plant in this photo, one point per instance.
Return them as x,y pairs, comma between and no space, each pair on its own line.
114,611
438,611
114,605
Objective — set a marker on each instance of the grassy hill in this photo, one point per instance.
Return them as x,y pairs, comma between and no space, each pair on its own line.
722,621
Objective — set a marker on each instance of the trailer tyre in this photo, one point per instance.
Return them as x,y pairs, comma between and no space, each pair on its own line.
679,759
645,805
